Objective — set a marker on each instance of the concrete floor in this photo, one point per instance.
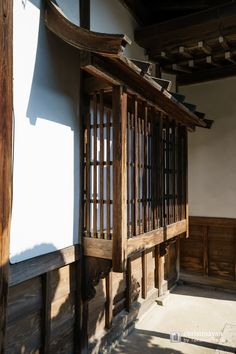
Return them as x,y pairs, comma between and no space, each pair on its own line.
205,319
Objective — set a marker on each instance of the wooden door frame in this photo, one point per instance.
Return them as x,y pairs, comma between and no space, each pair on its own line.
6,128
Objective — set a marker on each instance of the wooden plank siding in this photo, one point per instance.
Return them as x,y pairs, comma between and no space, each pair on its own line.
6,98
209,252
41,307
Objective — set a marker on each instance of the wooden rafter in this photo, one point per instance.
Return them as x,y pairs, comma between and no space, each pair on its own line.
108,44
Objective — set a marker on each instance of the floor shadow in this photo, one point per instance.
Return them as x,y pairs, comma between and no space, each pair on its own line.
211,293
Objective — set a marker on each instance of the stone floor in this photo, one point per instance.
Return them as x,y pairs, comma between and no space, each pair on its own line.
199,320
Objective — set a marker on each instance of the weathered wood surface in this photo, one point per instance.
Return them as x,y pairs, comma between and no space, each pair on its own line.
155,237
33,267
210,250
6,80
81,38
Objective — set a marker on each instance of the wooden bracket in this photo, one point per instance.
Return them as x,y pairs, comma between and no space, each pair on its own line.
95,270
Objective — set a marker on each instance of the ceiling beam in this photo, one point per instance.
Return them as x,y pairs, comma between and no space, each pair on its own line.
206,75
204,25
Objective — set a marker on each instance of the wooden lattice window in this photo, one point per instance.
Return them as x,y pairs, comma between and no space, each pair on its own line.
135,169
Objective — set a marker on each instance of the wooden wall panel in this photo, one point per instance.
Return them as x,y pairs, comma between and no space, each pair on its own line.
210,250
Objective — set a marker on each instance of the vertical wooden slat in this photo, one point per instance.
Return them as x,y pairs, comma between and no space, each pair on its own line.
154,168
173,170
186,182
6,10
144,275
128,175
101,111
128,285
108,216
109,301
167,172
179,173
144,167
132,175
95,165
119,179
88,142
149,174
46,316
139,174
160,172
136,174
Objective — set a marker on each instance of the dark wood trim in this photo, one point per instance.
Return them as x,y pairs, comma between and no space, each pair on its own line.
36,266
81,38
119,237
212,221
46,312
6,103
84,7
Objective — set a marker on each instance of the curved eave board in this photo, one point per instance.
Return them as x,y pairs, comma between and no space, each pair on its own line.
101,43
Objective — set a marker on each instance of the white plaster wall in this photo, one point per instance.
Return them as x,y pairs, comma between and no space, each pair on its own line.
46,142
212,153
110,16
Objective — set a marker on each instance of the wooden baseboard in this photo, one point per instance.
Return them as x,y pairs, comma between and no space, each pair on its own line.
220,284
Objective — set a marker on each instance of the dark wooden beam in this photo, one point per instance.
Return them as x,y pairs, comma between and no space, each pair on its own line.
207,75
6,80
204,25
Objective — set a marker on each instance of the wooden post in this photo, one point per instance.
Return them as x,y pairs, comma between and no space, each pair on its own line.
46,318
144,275
161,273
109,301
6,52
119,179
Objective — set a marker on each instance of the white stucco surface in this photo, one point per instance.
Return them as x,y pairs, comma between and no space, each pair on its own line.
112,17
212,153
46,143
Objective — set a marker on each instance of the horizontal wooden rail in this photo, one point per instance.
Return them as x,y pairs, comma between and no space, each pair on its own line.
94,247
36,266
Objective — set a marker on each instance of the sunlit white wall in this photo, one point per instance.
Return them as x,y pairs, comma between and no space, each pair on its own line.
46,143
110,16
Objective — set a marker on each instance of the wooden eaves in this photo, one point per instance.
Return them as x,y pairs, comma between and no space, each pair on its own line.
103,58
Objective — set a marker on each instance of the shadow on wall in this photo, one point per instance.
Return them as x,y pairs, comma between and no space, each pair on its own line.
53,97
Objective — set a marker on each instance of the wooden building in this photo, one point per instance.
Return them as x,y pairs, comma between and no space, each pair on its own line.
114,184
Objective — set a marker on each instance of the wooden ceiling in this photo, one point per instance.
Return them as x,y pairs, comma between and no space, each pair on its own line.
195,39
